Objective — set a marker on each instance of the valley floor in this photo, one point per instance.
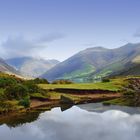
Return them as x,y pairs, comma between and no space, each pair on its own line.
115,91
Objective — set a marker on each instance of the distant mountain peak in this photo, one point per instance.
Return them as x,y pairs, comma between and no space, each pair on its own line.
131,44
94,49
97,48
31,66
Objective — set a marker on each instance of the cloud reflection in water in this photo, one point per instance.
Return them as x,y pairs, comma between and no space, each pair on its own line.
77,124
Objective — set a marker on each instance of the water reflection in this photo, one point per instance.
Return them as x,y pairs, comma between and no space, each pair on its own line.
98,107
15,120
18,119
77,124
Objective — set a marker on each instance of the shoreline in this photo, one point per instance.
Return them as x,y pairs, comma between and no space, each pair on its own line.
49,104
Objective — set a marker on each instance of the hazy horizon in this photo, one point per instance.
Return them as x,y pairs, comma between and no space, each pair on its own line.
92,47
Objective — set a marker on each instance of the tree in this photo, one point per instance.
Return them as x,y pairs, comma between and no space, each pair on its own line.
5,81
62,82
17,91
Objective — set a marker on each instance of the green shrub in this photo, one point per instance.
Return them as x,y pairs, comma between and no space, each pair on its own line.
32,88
17,92
105,80
40,81
2,97
5,81
62,82
25,102
8,105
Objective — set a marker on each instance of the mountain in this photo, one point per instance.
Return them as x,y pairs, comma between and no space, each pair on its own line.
33,67
95,62
133,70
4,67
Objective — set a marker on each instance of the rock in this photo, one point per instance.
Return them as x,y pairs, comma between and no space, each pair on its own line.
66,100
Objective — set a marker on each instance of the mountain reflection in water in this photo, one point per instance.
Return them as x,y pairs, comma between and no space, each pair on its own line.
77,124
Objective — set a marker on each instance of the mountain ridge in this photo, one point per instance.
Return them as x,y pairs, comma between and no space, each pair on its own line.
94,61
4,67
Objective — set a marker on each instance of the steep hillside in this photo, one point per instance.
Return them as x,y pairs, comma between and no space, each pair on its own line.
33,67
94,63
4,67
133,70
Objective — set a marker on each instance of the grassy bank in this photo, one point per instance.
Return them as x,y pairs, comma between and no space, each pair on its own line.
130,94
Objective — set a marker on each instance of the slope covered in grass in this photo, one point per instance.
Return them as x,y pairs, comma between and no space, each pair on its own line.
113,85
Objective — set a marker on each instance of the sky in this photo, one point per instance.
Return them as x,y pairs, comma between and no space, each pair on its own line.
57,29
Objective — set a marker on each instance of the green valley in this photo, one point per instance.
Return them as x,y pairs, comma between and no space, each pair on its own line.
18,94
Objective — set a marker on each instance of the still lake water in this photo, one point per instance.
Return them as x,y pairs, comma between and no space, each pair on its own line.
82,122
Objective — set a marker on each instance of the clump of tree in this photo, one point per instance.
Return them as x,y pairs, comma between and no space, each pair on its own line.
38,81
17,92
21,90
9,80
5,82
25,102
105,80
62,82
33,88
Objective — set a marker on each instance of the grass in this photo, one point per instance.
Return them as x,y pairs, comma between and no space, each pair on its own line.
80,73
74,98
10,105
119,101
54,95
1,94
1,91
39,95
113,85
57,96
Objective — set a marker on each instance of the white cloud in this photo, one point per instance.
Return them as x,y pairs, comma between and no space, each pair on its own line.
21,46
137,33
51,37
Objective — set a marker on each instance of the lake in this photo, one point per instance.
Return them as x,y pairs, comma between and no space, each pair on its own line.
82,122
